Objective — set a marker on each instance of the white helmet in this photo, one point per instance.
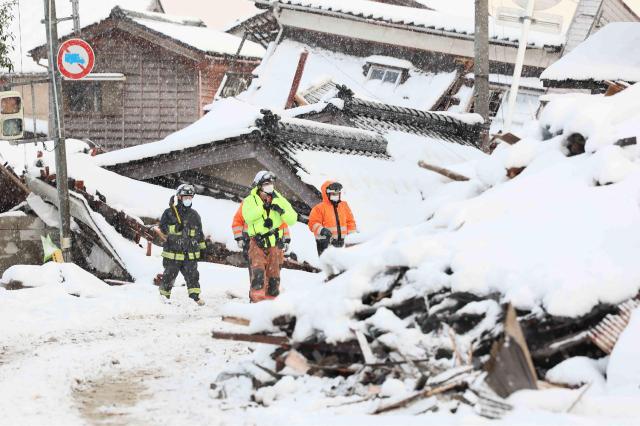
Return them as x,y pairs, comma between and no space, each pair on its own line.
186,189
263,176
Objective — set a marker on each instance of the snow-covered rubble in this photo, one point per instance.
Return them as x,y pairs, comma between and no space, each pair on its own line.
73,279
558,241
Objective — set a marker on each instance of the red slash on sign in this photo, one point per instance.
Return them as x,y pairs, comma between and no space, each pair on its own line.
75,59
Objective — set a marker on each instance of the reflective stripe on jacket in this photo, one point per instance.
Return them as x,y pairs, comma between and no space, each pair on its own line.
254,214
239,226
328,215
184,233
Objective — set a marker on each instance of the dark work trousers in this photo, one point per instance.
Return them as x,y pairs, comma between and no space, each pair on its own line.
265,266
189,269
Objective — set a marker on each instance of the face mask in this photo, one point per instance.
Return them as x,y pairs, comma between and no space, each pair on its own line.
186,203
334,197
268,188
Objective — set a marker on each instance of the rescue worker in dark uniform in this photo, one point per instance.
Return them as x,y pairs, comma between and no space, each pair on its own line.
185,242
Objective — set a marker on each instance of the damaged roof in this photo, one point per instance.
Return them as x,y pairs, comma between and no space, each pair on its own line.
421,90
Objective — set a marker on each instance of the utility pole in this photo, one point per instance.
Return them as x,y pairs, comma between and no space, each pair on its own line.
75,14
481,68
522,48
55,93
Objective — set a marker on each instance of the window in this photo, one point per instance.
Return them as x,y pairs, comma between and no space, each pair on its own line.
235,84
100,97
387,75
82,96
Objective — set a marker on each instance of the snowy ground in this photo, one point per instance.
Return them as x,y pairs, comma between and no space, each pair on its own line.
125,357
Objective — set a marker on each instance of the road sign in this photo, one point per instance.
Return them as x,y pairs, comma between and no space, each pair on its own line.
75,59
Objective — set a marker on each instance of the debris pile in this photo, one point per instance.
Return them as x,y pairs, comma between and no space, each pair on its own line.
462,347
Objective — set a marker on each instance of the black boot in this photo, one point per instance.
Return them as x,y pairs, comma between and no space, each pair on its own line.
273,289
257,282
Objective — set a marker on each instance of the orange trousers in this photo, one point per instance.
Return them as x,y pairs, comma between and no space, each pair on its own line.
265,271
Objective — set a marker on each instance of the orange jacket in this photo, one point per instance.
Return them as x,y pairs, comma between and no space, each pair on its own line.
239,226
325,215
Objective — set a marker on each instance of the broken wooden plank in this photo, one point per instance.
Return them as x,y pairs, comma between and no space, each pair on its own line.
236,320
459,384
252,338
510,367
367,353
442,171
14,179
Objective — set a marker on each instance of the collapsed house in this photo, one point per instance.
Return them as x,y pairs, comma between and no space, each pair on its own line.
487,296
225,167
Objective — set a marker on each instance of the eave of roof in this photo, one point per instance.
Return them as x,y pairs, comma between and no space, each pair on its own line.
430,29
122,19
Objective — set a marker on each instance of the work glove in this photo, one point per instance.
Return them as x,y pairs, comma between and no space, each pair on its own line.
268,223
241,243
325,234
276,208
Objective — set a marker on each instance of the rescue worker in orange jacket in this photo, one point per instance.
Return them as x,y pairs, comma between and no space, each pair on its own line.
331,220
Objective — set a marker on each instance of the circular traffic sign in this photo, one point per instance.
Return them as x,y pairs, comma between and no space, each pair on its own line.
75,58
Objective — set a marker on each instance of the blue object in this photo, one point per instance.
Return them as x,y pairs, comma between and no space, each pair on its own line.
74,58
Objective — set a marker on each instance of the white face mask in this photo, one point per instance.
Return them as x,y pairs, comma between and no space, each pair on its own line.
334,197
186,203
268,188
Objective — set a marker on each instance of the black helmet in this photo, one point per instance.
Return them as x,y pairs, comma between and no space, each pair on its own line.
334,188
186,189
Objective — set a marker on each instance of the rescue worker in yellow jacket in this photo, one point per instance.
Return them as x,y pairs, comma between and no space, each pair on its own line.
264,211
331,220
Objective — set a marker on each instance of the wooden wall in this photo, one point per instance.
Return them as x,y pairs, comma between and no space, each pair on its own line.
615,11
159,96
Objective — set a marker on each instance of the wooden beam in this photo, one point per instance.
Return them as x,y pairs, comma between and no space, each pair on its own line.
253,338
179,161
444,172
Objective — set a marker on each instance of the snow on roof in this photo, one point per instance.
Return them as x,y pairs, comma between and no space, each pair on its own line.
227,118
421,91
203,38
29,31
451,19
389,61
613,53
548,239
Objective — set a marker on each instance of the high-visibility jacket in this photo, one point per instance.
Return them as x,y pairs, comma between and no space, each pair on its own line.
239,226
336,217
183,228
255,213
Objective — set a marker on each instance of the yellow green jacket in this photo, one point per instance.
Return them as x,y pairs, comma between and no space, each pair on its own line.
255,213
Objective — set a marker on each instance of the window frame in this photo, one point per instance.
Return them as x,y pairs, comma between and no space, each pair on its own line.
386,70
